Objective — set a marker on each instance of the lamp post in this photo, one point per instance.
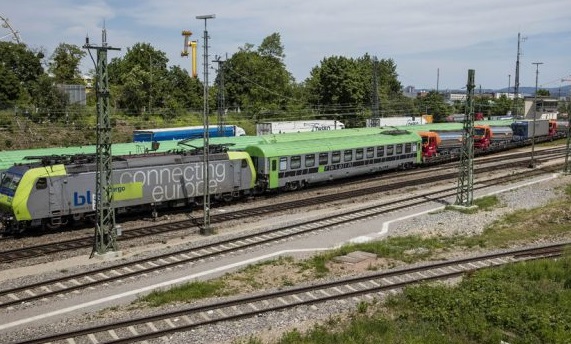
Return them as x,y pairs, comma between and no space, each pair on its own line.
532,162
205,173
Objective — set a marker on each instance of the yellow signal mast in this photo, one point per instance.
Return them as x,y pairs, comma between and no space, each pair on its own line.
192,45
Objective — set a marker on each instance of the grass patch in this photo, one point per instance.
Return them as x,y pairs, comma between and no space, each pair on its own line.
522,303
407,249
486,203
524,225
185,292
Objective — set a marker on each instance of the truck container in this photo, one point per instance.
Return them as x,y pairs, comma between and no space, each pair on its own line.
266,128
396,121
523,130
184,133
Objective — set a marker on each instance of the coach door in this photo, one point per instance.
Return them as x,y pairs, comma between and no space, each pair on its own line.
274,172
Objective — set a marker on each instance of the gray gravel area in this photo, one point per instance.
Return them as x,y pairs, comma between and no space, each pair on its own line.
270,326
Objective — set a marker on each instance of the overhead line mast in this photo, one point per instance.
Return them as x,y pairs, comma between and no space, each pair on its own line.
465,190
105,228
516,81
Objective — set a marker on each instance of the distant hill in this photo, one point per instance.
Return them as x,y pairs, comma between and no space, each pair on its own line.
554,91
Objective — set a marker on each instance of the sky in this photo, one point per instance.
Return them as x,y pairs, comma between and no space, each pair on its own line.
433,43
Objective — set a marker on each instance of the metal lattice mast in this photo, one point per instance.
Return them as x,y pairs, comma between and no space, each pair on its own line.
105,229
205,172
221,102
465,190
567,167
516,80
375,120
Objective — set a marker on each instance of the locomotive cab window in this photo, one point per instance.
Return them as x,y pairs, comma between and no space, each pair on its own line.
380,151
10,181
244,163
42,183
323,158
295,162
335,157
348,155
283,164
359,154
310,160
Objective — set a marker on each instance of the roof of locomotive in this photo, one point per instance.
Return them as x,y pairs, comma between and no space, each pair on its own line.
340,143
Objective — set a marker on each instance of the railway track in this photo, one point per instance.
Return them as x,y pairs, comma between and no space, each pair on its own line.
86,242
355,289
44,290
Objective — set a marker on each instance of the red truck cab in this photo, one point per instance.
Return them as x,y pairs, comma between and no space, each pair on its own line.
482,137
430,143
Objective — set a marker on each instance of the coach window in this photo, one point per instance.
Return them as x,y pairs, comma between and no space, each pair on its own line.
399,149
348,155
42,183
390,150
359,154
370,153
295,162
283,164
323,158
380,151
408,147
335,157
274,165
310,160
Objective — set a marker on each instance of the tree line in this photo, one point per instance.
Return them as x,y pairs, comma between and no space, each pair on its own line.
256,84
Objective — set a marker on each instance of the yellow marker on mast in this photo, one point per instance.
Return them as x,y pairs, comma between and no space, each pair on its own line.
192,45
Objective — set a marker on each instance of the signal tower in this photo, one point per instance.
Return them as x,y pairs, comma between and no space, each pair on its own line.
465,190
105,228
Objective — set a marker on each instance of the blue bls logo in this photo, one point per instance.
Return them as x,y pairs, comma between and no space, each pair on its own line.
79,200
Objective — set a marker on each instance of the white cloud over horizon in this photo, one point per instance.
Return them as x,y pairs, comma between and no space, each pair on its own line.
420,36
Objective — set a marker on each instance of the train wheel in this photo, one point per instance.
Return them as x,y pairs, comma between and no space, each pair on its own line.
293,186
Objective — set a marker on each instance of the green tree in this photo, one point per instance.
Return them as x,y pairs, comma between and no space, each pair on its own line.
501,106
433,104
272,47
186,92
257,81
141,79
20,69
49,101
543,93
338,85
64,64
